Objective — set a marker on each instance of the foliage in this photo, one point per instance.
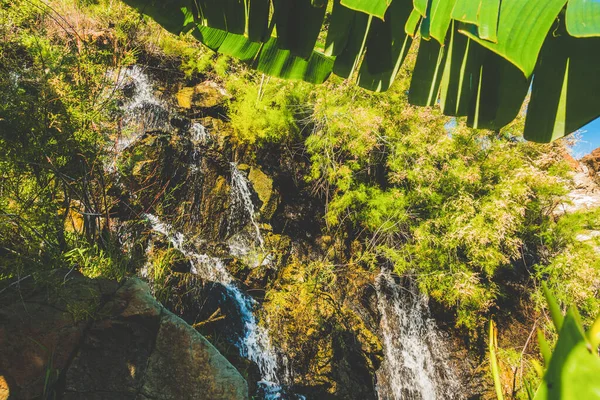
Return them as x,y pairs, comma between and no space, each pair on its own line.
98,260
455,208
458,208
572,367
54,127
160,270
572,263
265,112
476,57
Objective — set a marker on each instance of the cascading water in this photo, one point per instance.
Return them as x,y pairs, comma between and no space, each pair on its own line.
199,136
143,110
255,343
242,207
415,365
249,246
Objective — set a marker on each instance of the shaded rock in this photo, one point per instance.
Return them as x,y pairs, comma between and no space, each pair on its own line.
40,333
195,361
263,186
94,339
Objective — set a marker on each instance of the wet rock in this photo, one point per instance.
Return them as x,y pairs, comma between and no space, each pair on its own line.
94,339
263,186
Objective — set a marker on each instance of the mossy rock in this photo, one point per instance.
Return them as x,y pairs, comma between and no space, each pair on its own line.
205,95
185,97
263,186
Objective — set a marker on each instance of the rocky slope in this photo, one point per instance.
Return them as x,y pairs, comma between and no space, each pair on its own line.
96,339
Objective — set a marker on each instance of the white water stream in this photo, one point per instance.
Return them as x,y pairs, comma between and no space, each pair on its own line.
255,343
142,111
415,365
241,201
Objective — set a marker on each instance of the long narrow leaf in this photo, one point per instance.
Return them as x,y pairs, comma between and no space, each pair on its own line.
387,47
492,344
283,64
566,89
427,75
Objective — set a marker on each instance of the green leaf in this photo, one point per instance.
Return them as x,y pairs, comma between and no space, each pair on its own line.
487,21
466,11
226,15
210,37
175,16
240,47
298,24
440,14
283,64
421,7
544,347
348,60
412,23
340,23
522,28
257,24
387,46
425,25
376,8
460,77
555,312
501,90
583,18
566,89
427,74
594,333
492,344
574,367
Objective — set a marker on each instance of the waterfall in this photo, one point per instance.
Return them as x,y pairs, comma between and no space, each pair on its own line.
241,201
241,211
199,136
142,110
255,343
415,365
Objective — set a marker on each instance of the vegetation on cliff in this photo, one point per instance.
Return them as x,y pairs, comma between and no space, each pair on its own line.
348,181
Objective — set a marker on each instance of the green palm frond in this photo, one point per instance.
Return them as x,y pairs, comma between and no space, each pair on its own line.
476,58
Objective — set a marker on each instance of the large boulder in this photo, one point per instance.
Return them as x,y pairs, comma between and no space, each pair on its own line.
96,339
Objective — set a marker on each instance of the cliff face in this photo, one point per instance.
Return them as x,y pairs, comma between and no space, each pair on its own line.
592,162
584,193
96,339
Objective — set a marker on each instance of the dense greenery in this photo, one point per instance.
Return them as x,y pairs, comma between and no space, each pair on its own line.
476,58
470,214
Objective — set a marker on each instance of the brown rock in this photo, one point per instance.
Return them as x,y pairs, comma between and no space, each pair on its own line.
96,340
592,161
205,95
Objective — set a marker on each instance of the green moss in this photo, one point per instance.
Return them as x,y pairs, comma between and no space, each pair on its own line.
263,185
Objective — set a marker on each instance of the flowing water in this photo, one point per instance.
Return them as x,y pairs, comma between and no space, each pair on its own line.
254,344
199,136
142,110
415,365
242,207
